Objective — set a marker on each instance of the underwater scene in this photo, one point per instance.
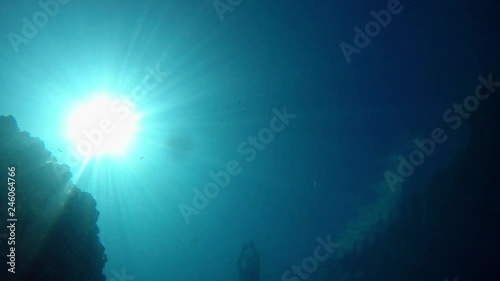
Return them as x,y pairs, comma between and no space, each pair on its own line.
237,140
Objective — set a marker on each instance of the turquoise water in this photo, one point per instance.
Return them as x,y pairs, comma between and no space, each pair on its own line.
216,81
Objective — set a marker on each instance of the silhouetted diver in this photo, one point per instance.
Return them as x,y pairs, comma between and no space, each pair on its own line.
249,263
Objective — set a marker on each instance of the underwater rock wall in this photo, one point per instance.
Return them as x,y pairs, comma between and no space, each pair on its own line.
449,229
55,237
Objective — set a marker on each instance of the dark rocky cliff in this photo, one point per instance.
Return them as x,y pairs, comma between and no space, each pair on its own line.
56,235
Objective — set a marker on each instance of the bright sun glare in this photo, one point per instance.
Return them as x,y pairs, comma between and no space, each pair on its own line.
102,125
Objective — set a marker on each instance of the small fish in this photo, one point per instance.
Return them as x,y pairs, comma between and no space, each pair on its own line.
142,157
244,111
59,150
315,183
221,120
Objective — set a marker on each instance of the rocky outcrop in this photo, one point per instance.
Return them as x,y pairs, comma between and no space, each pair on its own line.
55,235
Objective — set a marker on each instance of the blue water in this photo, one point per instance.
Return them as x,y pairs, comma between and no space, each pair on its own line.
223,79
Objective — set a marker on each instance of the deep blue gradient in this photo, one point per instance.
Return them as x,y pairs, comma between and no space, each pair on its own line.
224,79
